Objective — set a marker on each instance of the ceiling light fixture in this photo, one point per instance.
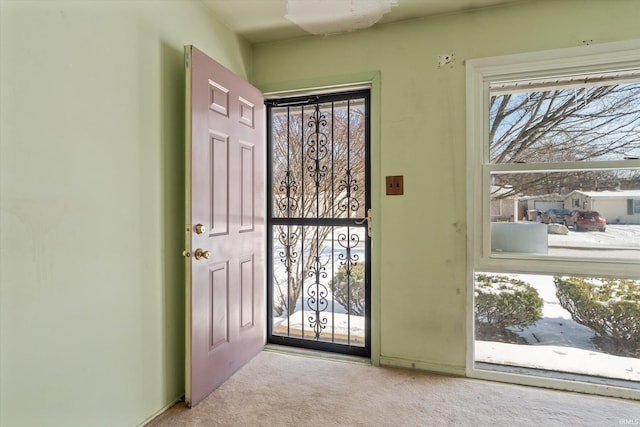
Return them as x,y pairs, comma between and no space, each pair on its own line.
336,16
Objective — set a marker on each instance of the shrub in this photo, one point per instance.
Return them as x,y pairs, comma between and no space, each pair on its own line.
610,307
503,302
350,293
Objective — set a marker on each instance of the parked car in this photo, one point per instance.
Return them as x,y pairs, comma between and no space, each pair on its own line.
586,220
556,216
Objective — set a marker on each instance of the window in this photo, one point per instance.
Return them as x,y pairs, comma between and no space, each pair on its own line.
555,137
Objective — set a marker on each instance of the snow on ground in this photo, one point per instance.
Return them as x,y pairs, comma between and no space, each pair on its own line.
339,323
557,343
618,242
616,236
556,326
559,358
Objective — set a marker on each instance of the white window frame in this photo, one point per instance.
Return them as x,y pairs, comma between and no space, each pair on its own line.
480,73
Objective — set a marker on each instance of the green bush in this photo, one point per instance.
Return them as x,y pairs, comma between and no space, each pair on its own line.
350,293
610,307
503,302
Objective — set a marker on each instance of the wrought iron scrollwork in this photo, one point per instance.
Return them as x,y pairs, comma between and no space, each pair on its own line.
288,255
317,301
349,185
288,203
317,145
348,259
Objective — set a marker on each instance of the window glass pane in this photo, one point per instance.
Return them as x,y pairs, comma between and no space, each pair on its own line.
575,214
286,158
584,326
318,284
565,124
318,157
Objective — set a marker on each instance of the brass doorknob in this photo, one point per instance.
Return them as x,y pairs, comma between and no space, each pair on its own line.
199,254
199,229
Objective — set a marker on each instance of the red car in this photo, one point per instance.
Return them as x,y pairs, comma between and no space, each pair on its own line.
586,220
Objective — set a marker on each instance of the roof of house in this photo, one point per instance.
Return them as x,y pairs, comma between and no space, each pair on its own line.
622,194
545,197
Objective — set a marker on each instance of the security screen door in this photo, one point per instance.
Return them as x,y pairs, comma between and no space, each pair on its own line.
319,199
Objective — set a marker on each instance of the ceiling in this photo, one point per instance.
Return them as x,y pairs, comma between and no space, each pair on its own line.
260,21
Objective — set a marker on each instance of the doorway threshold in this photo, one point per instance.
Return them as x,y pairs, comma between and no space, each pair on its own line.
317,354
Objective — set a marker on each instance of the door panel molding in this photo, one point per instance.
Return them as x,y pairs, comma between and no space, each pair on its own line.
218,98
219,183
218,303
247,292
247,188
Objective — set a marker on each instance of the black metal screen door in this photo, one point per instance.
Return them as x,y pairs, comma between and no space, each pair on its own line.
319,262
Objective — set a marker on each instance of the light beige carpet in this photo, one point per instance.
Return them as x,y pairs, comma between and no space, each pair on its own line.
276,389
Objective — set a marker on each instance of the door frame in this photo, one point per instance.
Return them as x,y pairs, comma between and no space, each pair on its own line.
369,80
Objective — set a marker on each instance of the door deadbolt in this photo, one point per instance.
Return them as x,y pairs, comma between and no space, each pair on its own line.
199,229
199,254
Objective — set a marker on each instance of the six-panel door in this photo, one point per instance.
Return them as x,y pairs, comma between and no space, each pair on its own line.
225,230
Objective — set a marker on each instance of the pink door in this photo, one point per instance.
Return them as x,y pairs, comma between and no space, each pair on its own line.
225,231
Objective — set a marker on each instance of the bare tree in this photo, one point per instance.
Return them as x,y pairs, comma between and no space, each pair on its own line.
565,125
318,173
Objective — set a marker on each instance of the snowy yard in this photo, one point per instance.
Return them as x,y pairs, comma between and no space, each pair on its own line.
557,343
618,242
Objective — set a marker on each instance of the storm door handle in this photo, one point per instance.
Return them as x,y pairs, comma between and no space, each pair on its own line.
369,220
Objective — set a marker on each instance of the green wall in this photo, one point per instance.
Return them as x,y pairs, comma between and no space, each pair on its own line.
420,247
91,185
91,197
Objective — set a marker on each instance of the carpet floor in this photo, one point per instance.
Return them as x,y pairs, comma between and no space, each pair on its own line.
277,389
